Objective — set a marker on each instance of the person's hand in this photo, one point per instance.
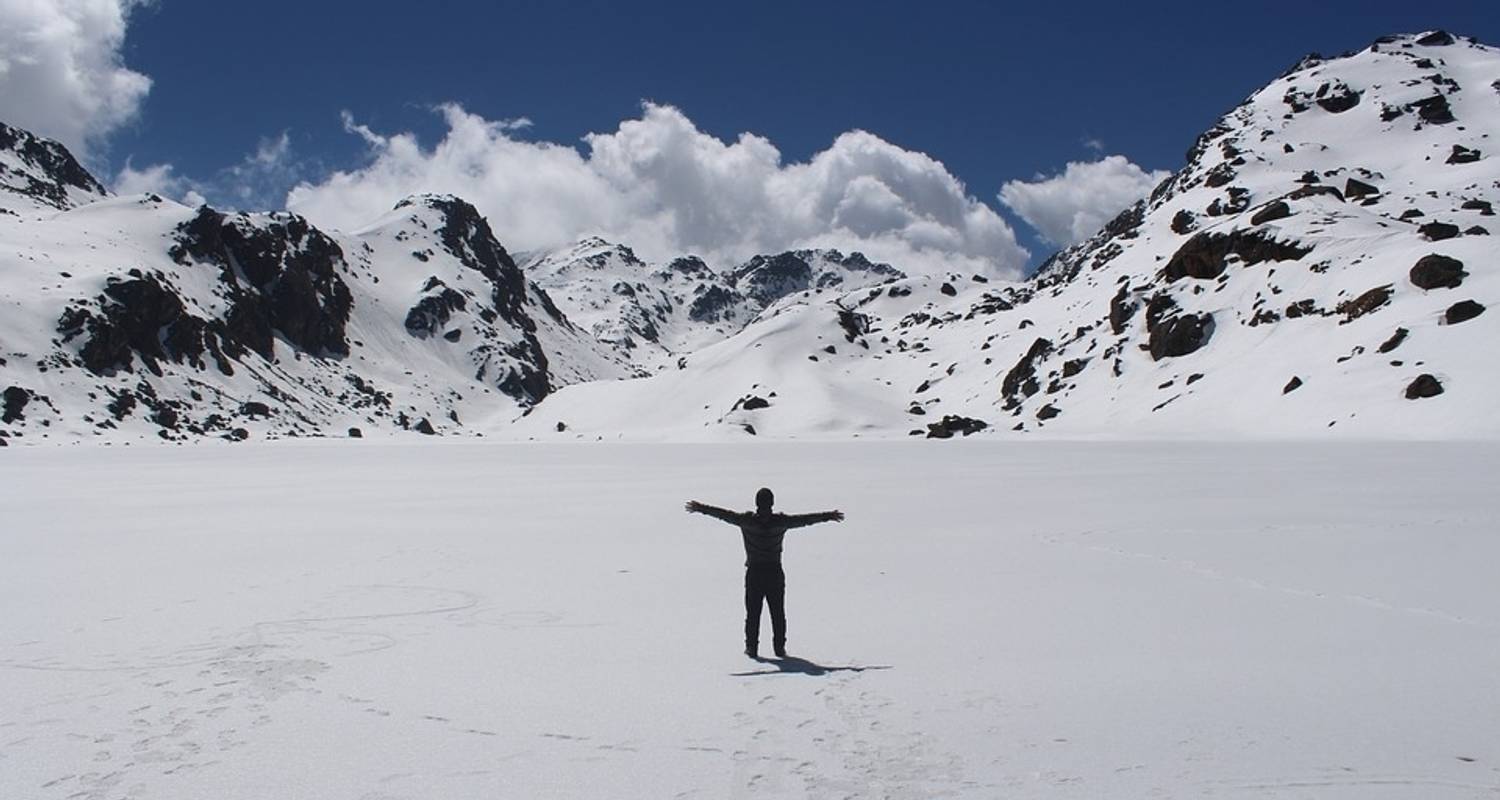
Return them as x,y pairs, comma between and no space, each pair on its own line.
837,516
694,507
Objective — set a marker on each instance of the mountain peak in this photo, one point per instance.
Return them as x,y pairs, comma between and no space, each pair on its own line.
43,171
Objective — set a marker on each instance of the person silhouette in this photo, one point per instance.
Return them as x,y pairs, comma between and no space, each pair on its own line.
762,530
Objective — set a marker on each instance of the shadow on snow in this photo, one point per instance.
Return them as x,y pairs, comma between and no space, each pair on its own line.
792,665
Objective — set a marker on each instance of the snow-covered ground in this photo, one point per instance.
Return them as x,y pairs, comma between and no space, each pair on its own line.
1038,619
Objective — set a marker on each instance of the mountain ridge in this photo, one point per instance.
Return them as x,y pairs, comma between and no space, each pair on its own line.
1319,266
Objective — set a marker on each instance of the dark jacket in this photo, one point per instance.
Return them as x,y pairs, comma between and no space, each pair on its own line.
762,534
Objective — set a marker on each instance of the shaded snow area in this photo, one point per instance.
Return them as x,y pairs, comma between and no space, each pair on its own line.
1074,620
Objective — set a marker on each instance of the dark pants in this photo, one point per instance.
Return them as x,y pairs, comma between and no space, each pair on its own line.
765,582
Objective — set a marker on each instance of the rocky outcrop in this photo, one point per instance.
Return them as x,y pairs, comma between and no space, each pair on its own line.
281,275
951,424
1021,381
1180,335
1462,311
47,172
1438,272
1205,255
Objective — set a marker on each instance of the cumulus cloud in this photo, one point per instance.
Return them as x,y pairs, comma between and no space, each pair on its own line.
665,187
61,72
257,181
1072,206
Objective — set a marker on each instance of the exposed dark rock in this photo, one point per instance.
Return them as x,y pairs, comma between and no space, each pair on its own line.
1462,311
121,404
1292,385
424,427
254,408
1476,230
1205,255
853,324
1021,380
1315,191
1121,309
1438,231
1180,335
951,424
356,433
1365,303
750,403
1338,99
1220,175
1273,211
1436,39
947,288
1356,189
282,275
15,399
1438,272
1433,110
1047,412
1238,200
1156,308
765,279
1463,155
142,316
1074,366
1126,223
1482,206
1394,342
1304,308
432,312
691,266
1425,385
1184,222
1411,213
53,170
714,304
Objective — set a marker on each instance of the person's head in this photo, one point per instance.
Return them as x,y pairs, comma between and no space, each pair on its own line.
763,500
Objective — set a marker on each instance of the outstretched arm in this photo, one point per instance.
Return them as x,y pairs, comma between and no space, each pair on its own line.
803,520
695,507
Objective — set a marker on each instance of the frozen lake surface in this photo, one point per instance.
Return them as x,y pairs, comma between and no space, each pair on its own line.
456,620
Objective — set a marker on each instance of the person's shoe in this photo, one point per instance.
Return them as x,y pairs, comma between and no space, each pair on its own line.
752,651
781,651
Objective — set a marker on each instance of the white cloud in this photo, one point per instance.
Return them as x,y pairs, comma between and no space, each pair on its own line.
663,186
258,181
61,73
1068,208
159,179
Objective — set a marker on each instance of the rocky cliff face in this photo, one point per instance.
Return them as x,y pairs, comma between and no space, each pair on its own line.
134,316
40,173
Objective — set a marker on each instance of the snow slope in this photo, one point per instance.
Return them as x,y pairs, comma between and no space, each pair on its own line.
653,315
1266,289
1322,266
132,317
467,619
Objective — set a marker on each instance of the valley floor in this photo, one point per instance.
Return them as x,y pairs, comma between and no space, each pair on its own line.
1073,620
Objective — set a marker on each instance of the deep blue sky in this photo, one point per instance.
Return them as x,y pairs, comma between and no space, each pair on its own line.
994,90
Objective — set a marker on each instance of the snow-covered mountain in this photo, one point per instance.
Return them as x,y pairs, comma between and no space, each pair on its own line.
654,314
135,316
1321,264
